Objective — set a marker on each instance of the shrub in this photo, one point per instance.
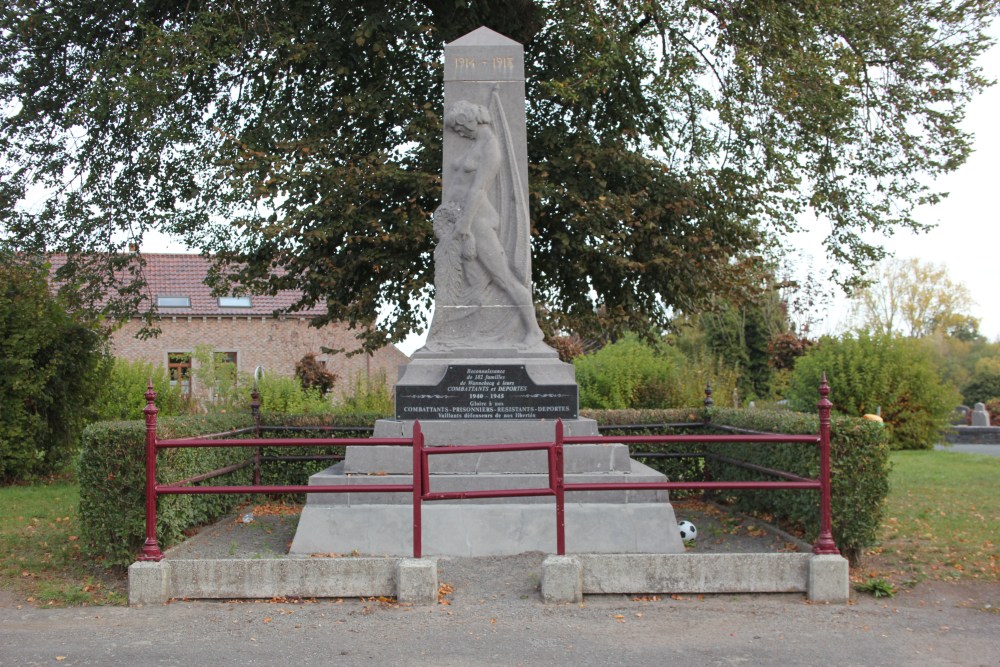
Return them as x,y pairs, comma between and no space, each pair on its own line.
859,461
112,483
369,395
985,382
993,408
120,396
896,374
285,395
632,374
313,375
112,476
49,372
227,388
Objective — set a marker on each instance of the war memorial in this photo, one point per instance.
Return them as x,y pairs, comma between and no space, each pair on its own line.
485,375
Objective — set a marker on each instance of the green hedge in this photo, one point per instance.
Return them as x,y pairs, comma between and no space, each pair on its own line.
859,464
673,468
859,460
298,472
112,477
112,472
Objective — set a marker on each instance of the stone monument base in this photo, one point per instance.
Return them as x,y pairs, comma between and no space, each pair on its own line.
452,529
596,521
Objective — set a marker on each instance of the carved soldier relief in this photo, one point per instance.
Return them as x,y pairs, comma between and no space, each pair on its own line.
482,260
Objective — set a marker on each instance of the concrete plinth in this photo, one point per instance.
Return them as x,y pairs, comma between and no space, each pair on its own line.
412,581
417,581
822,578
695,573
377,523
455,529
148,583
829,579
562,579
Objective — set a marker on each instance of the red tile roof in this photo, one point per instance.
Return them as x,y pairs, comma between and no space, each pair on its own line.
181,275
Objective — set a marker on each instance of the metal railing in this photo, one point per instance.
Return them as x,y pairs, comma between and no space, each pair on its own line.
420,486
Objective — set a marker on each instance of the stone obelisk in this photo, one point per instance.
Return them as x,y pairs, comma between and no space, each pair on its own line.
485,375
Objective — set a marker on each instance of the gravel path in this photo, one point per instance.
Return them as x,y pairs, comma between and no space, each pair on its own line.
491,614
494,617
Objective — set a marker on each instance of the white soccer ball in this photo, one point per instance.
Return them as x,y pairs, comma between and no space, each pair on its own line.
688,531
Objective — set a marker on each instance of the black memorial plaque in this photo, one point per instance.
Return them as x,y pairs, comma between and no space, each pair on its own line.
486,392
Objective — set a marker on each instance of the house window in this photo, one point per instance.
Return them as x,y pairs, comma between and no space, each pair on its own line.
226,358
235,302
173,302
179,369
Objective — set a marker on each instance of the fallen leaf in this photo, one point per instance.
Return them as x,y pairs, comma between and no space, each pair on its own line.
443,590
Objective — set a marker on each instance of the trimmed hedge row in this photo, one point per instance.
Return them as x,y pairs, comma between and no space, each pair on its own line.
674,468
112,477
113,482
859,473
112,471
859,462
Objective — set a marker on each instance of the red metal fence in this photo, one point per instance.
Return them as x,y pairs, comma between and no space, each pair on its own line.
420,487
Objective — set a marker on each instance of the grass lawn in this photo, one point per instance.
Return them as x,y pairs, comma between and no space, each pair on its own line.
942,519
942,522
40,559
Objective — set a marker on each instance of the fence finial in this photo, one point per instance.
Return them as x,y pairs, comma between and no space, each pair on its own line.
824,392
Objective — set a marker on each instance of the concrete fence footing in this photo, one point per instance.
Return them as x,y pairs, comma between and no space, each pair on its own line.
821,578
409,580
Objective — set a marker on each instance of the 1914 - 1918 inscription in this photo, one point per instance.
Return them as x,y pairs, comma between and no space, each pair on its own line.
486,392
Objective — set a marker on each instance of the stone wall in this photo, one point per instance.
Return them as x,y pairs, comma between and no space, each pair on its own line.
973,435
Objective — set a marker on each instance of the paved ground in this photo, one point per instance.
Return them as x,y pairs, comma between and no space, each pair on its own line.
269,533
494,617
989,450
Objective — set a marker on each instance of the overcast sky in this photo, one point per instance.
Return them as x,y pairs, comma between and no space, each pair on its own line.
966,237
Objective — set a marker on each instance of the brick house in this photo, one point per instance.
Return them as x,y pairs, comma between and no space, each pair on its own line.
243,329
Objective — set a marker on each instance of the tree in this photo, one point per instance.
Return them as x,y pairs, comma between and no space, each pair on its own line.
898,375
985,382
671,143
50,367
312,374
757,335
916,299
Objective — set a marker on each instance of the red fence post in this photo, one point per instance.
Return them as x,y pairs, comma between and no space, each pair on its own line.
150,549
418,488
560,492
824,541
255,411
